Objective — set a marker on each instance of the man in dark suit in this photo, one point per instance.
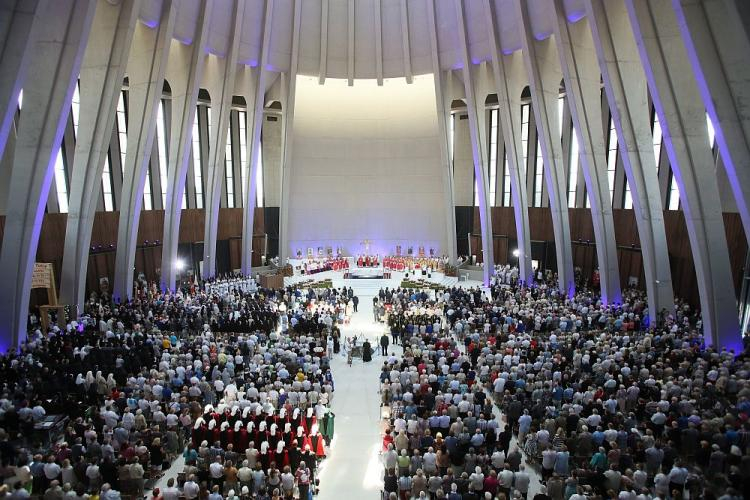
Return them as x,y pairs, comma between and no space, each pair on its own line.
355,301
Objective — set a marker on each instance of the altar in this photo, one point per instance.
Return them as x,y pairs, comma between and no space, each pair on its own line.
368,273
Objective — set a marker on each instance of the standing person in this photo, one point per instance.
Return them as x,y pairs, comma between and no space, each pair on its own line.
303,480
355,301
384,345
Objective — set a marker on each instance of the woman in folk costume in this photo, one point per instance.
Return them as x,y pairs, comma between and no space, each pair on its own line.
274,436
264,456
223,434
309,421
281,456
262,432
326,426
317,442
199,431
287,436
252,432
240,442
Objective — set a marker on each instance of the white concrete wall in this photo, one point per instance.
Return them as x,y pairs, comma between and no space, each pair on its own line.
366,165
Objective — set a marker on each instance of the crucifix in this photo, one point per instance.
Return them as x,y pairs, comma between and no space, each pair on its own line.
366,243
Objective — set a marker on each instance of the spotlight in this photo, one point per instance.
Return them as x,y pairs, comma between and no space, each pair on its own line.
179,265
516,252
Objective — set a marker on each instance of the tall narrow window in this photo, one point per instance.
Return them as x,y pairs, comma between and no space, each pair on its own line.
20,99
228,168
161,137
75,108
148,197
711,131
657,141
61,181
611,158
197,163
122,129
674,194
538,175
573,170
524,139
506,181
109,203
243,155
452,144
628,203
560,112
493,155
476,190
259,200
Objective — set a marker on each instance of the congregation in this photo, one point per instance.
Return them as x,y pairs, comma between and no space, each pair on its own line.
234,378
504,389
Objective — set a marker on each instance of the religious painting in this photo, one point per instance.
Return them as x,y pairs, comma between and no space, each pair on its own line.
432,252
320,251
398,250
310,252
329,251
410,250
299,253
421,250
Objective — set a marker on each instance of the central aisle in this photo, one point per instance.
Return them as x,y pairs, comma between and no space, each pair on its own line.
354,468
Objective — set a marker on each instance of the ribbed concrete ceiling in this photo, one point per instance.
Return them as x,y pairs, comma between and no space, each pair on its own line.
365,21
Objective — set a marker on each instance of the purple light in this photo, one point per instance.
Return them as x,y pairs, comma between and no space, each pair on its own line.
574,17
151,24
253,63
475,60
269,67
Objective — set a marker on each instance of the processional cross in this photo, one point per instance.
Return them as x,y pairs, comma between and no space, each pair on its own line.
366,243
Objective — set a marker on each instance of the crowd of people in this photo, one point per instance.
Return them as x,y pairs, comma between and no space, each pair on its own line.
525,393
233,378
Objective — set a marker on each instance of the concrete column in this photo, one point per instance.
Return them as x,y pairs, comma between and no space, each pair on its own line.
718,49
463,160
185,86
443,106
101,77
508,85
253,130
221,78
682,117
476,85
16,20
544,80
577,55
58,41
271,139
146,68
625,86
289,86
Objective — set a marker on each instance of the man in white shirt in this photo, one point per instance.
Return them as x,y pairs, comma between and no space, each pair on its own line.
171,492
191,489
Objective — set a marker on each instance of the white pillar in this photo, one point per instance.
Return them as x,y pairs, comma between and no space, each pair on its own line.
253,131
577,55
625,85
509,85
185,86
221,87
16,20
682,116
100,84
443,105
58,41
719,53
289,87
476,93
544,81
146,68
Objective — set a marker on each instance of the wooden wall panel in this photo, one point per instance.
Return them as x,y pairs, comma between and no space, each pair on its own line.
626,236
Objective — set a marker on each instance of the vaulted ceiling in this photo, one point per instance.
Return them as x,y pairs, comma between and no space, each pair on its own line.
399,26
